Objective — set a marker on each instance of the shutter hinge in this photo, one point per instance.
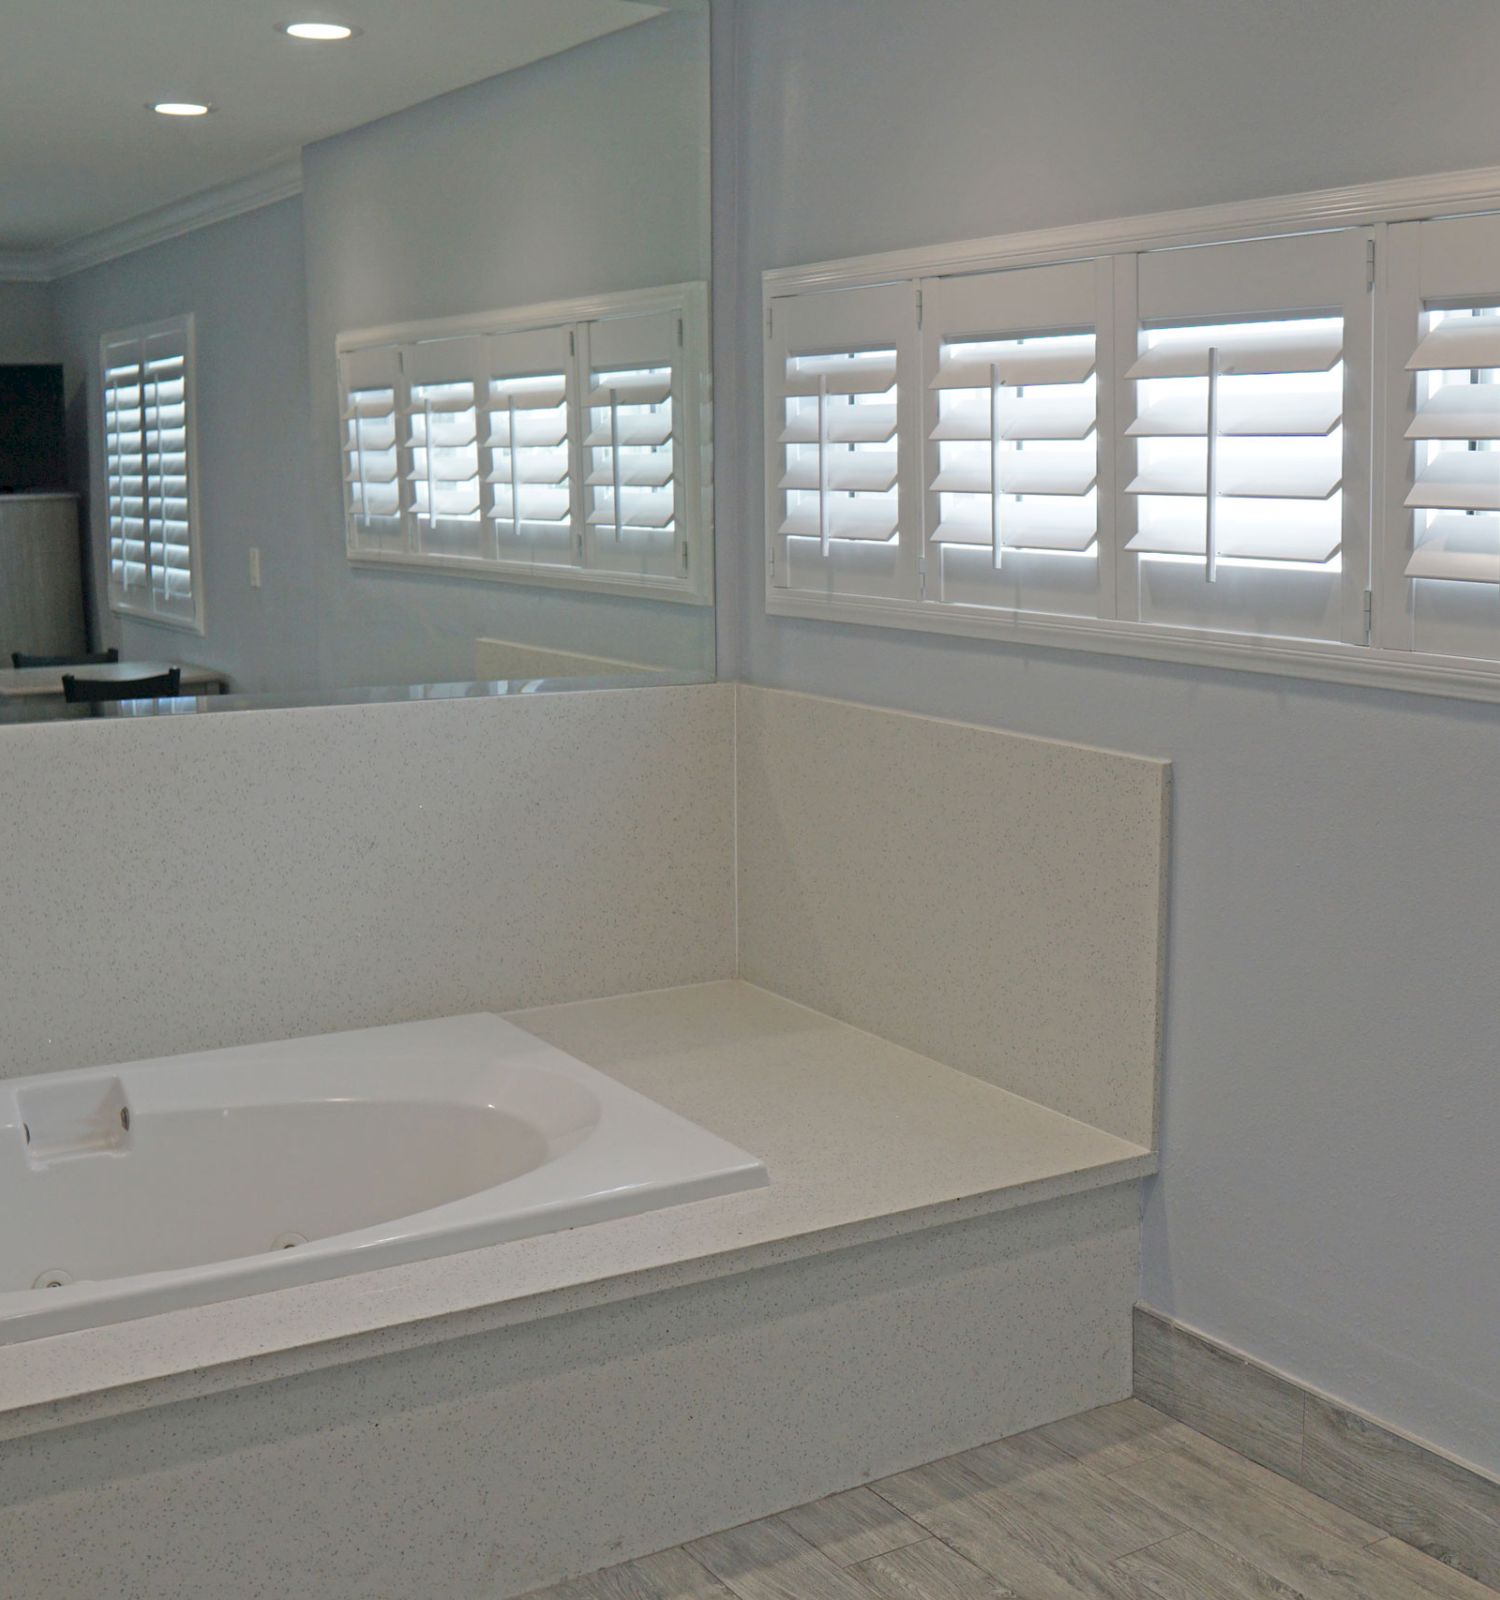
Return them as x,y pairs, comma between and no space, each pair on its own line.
919,308
1369,264
922,574
681,340
770,318
1369,615
771,557
572,341
684,558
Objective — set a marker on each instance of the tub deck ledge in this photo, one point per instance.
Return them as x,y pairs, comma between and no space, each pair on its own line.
863,1139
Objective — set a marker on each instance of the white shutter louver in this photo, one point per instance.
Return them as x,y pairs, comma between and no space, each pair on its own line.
1244,412
125,471
558,444
1011,464
837,439
1455,494
1250,387
370,381
1018,461
1441,559
634,409
146,377
841,459
441,413
1177,459
527,420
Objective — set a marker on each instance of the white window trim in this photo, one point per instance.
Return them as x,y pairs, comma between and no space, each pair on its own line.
690,301
118,606
1366,205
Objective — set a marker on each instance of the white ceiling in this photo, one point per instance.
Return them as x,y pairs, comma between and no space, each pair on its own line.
79,151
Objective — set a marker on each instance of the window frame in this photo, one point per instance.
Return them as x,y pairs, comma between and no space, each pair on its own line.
1365,207
119,604
691,435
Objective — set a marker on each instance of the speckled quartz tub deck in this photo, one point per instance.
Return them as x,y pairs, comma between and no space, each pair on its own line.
864,1140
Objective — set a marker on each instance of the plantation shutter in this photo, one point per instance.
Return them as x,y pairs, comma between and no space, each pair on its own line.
1250,393
564,444
529,403
1011,458
125,471
635,408
1458,422
370,381
441,414
1444,453
146,377
839,371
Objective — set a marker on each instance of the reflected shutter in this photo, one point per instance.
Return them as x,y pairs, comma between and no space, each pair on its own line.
634,411
529,471
146,388
125,470
441,414
563,443
370,381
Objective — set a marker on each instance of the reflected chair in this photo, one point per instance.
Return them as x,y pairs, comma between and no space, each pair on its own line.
105,658
103,691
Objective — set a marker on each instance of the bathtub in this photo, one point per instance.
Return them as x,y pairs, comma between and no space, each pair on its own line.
156,1185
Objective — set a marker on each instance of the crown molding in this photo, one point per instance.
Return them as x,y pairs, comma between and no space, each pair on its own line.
218,204
24,266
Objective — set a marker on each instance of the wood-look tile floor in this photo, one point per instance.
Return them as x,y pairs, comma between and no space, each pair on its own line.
1117,1504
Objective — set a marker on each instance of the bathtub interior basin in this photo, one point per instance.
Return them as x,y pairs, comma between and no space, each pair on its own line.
160,1184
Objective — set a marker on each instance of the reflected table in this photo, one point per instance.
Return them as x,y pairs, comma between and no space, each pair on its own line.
28,693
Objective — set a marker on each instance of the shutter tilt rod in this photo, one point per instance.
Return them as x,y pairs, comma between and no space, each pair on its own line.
614,451
997,537
515,480
825,531
431,479
150,478
1211,480
359,458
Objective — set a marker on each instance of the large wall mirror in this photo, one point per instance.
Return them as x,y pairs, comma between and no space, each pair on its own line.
351,347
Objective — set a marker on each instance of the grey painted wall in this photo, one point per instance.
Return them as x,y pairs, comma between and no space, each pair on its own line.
1329,1190
26,329
244,282
585,173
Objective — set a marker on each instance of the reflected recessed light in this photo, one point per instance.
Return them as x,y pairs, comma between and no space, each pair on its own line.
317,32
180,108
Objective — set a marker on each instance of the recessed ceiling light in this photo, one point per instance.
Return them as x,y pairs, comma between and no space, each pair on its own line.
317,32
180,108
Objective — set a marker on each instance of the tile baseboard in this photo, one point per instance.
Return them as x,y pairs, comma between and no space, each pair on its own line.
1440,1506
1218,1392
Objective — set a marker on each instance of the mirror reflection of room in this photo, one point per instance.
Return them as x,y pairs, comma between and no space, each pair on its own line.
389,368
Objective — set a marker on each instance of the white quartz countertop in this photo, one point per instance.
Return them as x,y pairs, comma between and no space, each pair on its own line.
863,1140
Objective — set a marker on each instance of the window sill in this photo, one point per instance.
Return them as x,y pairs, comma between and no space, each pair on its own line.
1361,665
137,614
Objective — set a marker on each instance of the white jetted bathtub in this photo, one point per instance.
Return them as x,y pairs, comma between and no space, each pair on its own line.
143,1188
